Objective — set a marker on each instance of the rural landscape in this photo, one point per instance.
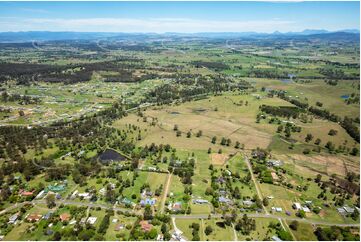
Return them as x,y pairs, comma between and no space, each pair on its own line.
180,136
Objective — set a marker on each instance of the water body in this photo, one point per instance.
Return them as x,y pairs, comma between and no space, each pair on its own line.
345,96
110,155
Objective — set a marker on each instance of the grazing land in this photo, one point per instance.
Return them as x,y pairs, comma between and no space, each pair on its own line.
201,138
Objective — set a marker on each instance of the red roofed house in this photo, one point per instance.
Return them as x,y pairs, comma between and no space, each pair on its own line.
34,217
146,227
65,217
26,193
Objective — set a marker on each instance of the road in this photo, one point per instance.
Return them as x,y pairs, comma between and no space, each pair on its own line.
262,215
255,182
166,188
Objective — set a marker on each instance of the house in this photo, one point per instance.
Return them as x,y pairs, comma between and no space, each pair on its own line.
308,202
296,206
114,220
277,209
84,195
47,215
200,201
152,168
126,201
228,172
119,227
92,220
64,217
274,176
148,201
349,209
13,218
248,203
159,237
145,226
222,199
26,193
34,217
177,206
274,163
275,238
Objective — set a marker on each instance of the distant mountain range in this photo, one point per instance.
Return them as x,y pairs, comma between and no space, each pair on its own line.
30,36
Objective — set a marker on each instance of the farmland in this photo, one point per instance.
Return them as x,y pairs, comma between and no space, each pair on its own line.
228,140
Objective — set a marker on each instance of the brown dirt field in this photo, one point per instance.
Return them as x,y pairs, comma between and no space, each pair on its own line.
218,159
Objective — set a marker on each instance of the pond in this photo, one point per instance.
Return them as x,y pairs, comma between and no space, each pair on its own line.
345,96
110,155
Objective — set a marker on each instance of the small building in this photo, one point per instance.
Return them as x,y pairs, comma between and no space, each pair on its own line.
126,201
65,217
73,195
200,201
228,172
306,209
222,199
248,203
84,195
103,191
152,169
119,227
274,163
40,195
275,238
145,226
47,215
92,220
296,206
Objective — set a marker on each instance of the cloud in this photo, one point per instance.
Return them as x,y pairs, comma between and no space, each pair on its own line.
159,25
34,10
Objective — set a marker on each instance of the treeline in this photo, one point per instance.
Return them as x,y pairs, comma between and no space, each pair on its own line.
282,111
347,123
217,66
267,73
21,99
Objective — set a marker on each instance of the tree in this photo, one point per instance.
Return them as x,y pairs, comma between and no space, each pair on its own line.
332,132
189,134
209,150
147,212
237,145
301,214
214,139
220,151
265,202
199,133
330,146
294,225
354,151
318,141
208,230
175,127
50,200
178,133
308,138
164,228
318,178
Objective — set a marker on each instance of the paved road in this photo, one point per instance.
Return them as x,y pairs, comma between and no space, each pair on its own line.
262,215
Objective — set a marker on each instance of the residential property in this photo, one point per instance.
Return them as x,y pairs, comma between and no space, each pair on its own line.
296,206
248,203
119,227
177,206
145,226
40,195
65,217
148,201
47,215
224,200
274,163
306,209
92,220
200,201
275,238
34,217
13,218
26,193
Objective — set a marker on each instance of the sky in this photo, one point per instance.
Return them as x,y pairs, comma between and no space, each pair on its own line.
184,17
